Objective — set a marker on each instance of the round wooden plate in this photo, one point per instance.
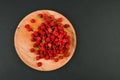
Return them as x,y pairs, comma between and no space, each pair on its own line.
23,44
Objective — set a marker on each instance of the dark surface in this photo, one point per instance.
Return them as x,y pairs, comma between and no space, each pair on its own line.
97,56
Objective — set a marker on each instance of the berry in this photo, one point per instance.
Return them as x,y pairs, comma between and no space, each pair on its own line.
40,15
39,64
28,28
32,20
56,60
66,25
60,57
47,57
37,57
59,20
32,50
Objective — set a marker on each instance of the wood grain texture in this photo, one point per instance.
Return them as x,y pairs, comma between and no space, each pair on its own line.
23,44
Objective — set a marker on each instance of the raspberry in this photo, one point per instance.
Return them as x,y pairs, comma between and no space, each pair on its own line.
47,39
49,30
38,39
32,50
36,44
40,15
41,55
52,37
32,20
60,57
66,25
39,64
47,57
42,27
32,35
66,55
56,60
59,20
37,57
28,28
52,17
37,52
50,54
33,39
52,23
44,16
49,44
35,33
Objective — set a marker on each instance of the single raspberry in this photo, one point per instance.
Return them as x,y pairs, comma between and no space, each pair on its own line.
27,26
37,57
33,39
39,64
59,19
47,39
56,59
32,50
40,15
49,30
32,20
60,57
66,25
52,17
47,57
37,52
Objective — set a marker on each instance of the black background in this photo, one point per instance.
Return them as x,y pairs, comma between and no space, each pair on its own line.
97,27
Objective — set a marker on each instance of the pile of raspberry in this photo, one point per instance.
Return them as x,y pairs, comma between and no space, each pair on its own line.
50,40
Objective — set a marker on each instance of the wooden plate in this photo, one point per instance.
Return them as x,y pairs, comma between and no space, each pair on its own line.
23,44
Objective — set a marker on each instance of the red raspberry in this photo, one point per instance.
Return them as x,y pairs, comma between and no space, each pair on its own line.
52,17
47,57
42,49
27,26
53,37
41,55
49,44
65,40
60,57
40,15
56,60
66,55
60,36
47,39
36,33
45,16
59,24
52,23
35,45
50,54
67,46
32,50
33,39
39,64
32,20
37,52
49,30
37,57
59,20
56,40
38,39
42,27
32,35
66,25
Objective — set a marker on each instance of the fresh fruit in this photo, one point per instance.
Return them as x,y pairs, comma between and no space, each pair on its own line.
50,40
